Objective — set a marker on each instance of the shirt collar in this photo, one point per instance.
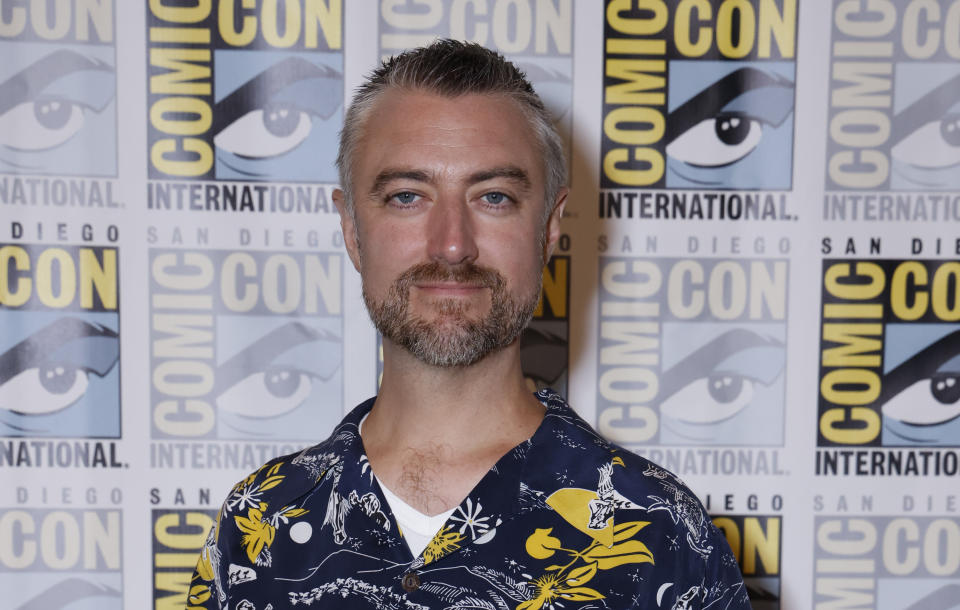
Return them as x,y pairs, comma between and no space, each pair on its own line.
513,486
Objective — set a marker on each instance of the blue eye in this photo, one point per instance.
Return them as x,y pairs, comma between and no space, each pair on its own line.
405,198
495,198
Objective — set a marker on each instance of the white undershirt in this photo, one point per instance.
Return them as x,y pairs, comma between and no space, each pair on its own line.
416,528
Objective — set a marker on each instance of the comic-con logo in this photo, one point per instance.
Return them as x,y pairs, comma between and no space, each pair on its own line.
755,541
894,119
70,558
178,537
245,344
890,353
58,88
59,345
692,350
886,562
245,91
699,94
536,35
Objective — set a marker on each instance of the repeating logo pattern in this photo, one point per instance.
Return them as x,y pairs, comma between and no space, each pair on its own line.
71,558
886,562
890,353
178,537
699,95
247,93
893,121
60,341
58,89
245,344
691,350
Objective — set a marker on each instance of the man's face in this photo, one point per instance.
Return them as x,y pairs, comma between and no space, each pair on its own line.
447,231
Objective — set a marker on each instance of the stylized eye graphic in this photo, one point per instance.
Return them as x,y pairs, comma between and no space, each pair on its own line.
927,402
718,380
268,393
717,141
267,132
724,122
275,374
45,104
43,389
41,124
710,399
271,114
935,145
924,390
49,370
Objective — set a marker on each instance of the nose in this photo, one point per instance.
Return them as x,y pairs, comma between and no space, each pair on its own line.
451,236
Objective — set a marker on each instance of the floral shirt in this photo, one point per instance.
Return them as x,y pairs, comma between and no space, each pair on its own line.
565,520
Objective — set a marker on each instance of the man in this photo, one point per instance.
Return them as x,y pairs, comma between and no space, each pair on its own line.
455,487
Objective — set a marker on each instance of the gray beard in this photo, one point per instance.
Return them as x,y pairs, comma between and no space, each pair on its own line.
452,339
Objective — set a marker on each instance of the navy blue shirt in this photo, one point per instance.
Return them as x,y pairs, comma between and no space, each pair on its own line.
564,520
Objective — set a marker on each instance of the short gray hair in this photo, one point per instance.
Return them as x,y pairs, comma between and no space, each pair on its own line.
452,68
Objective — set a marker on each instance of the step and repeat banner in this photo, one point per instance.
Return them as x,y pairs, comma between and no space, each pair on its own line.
758,284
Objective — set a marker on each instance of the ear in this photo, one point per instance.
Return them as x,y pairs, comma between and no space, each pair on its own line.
348,225
553,224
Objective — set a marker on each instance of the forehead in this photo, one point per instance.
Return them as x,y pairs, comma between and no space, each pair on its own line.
450,135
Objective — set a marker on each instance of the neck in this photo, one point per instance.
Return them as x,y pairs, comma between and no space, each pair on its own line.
434,432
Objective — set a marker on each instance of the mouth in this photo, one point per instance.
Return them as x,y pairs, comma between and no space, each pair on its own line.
449,288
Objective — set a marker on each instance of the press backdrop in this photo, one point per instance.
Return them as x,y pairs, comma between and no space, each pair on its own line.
758,284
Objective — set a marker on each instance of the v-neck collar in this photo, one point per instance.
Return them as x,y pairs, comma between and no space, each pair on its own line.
497,498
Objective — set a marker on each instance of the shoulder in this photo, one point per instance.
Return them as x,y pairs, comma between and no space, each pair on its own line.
575,464
572,441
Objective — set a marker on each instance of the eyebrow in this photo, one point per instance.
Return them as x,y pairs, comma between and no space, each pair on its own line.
26,84
711,100
509,172
98,348
931,107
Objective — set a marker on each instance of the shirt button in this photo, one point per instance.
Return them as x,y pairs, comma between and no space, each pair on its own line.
411,582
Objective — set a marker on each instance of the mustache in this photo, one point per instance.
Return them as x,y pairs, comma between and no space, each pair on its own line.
466,273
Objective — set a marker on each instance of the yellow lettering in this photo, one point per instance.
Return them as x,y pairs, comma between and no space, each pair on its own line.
840,283
328,15
67,272
9,296
781,26
947,274
200,165
869,419
906,279
180,14
684,18
725,30
102,277
226,18
637,27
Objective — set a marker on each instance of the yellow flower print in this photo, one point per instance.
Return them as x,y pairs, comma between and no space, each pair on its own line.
197,595
540,544
566,581
551,586
444,542
257,532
